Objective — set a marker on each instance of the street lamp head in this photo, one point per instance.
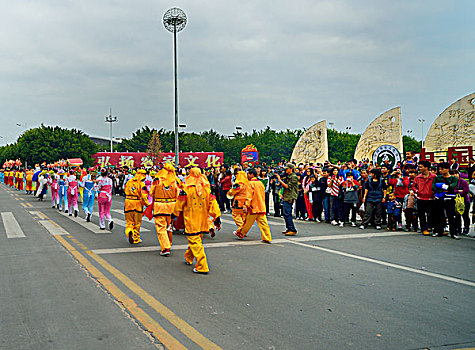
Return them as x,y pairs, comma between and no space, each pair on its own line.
174,20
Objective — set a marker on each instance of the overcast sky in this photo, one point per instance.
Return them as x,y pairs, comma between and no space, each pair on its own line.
286,64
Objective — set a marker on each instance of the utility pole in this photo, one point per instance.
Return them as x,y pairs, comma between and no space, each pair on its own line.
110,119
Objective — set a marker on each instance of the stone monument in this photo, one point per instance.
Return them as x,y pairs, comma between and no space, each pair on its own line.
384,130
312,146
454,127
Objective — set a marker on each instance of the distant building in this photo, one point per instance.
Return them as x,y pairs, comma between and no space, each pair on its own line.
105,141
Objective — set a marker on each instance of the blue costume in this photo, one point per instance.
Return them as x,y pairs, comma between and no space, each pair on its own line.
63,198
88,196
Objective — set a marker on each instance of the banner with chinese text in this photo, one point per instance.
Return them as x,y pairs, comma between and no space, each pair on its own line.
139,159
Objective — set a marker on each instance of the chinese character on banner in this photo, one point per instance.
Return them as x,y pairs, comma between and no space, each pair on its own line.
146,162
169,159
213,161
430,156
191,161
103,161
461,154
127,161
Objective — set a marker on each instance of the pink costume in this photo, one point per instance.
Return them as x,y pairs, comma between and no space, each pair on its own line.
148,184
72,194
53,181
104,200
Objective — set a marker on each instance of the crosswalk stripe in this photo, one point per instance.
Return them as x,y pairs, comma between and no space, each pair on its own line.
88,225
12,228
122,223
53,228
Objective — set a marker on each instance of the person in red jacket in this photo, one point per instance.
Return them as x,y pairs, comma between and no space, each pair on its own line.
225,186
400,183
422,187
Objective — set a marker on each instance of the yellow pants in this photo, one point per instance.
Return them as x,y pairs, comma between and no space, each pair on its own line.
196,251
261,222
133,222
81,191
239,217
165,238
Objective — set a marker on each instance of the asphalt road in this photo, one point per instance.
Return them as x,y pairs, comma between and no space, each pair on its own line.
67,285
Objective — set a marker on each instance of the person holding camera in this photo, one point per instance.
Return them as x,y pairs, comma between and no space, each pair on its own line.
290,183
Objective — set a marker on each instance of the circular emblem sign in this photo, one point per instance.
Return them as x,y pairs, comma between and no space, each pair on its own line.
386,154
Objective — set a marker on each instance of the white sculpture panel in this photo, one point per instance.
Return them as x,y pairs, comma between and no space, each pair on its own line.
384,130
454,127
312,146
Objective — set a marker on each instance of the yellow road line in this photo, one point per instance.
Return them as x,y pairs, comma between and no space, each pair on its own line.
29,204
23,205
154,327
179,323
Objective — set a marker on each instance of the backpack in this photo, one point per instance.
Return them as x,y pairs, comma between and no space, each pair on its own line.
459,204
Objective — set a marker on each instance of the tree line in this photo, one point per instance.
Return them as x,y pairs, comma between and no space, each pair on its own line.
49,144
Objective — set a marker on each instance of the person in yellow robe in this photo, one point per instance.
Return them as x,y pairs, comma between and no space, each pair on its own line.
136,197
197,204
239,191
164,192
255,209
29,181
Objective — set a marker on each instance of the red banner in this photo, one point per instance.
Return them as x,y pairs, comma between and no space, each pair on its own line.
139,159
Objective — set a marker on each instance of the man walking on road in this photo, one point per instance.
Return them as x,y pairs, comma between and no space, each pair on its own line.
255,208
291,188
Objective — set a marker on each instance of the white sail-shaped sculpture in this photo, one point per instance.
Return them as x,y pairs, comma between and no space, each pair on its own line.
384,130
312,146
454,127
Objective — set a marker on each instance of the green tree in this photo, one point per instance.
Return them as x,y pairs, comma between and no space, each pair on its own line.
411,144
341,145
49,144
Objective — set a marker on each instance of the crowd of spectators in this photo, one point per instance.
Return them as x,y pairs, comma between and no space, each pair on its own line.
411,196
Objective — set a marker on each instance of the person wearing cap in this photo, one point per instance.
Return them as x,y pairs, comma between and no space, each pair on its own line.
29,181
291,188
72,193
53,183
238,195
136,196
87,184
104,199
197,204
255,208
164,192
63,190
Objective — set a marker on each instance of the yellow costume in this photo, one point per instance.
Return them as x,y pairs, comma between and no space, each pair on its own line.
29,181
135,198
239,192
164,192
197,204
255,204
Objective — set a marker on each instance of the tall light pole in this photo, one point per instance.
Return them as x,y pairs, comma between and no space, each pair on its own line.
110,119
422,127
174,21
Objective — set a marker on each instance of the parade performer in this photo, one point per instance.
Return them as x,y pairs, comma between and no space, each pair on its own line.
29,181
239,191
104,199
63,189
164,192
87,184
136,197
255,208
53,183
72,193
17,179
21,176
42,185
197,204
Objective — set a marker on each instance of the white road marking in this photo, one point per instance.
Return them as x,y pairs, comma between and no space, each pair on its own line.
12,228
122,223
253,242
89,225
388,264
38,214
53,228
